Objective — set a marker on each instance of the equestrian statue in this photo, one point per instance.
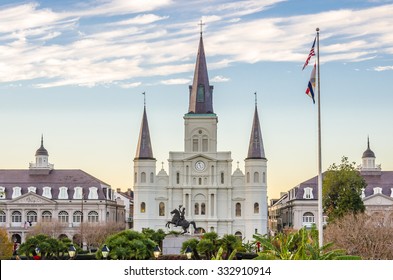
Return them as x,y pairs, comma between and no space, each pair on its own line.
179,220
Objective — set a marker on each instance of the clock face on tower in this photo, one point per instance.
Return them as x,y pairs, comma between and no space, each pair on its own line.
200,165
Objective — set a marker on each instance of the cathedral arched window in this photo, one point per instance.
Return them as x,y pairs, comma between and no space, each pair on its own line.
46,216
161,209
256,177
222,177
196,209
177,178
92,217
205,144
248,177
199,181
212,175
143,207
239,235
31,216
63,217
143,177
256,208
135,177
238,210
195,144
151,177
264,177
203,208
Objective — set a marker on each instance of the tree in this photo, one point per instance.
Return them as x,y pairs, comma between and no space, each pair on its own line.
369,237
342,189
6,246
53,229
94,234
49,247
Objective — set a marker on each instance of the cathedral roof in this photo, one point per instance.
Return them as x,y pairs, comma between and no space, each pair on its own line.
368,153
201,93
144,149
255,148
41,150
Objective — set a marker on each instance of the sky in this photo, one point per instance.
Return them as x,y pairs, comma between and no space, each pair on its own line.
74,71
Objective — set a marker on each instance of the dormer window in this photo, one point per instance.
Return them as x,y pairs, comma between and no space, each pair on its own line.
93,194
16,192
308,193
391,192
46,191
31,189
377,190
63,193
2,192
78,193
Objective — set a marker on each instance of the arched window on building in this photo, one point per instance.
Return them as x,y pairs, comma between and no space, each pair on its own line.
256,208
196,209
308,218
92,217
264,177
205,144
161,209
143,207
77,217
203,209
238,210
16,217
151,177
143,177
178,178
222,178
46,216
195,144
63,217
31,216
2,217
256,177
239,235
135,177
248,177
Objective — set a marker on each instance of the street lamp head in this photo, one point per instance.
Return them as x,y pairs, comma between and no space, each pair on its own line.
37,250
105,251
71,251
157,251
188,252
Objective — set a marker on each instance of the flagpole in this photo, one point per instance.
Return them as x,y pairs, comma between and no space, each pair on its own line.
320,210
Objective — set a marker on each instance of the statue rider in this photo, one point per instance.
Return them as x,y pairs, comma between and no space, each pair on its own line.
182,211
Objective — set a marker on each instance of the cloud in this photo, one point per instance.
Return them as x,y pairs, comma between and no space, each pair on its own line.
141,19
176,81
383,68
219,79
130,85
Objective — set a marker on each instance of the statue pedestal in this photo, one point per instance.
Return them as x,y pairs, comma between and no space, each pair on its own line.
171,245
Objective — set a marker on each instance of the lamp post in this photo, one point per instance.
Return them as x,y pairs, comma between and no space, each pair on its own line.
71,251
105,251
157,252
188,253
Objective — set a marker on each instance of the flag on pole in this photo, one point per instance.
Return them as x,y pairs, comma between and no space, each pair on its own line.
312,53
311,84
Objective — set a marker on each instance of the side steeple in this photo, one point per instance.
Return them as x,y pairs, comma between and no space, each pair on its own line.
201,93
255,148
144,149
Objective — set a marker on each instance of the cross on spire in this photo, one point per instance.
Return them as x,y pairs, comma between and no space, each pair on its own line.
255,99
144,99
201,24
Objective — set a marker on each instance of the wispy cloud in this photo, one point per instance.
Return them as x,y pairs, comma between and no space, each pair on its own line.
219,79
176,81
383,68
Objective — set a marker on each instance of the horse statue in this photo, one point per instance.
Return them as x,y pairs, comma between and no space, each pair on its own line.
179,220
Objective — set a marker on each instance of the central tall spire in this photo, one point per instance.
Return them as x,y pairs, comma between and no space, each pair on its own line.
201,93
255,148
144,149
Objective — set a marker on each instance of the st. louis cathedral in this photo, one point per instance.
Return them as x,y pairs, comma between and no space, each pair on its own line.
200,178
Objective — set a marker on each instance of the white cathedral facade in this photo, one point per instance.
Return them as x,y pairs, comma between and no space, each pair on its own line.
200,178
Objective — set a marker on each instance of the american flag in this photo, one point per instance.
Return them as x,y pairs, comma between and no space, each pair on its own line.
312,53
311,84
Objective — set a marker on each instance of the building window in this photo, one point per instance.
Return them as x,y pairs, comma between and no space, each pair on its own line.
16,192
222,177
46,216
93,194
161,209
177,178
264,177
16,217
92,217
256,177
31,189
151,177
377,190
308,193
63,194
31,216
203,208
239,235
256,208
135,177
77,217
143,177
2,217
201,93
46,191
196,209
199,181
2,193
195,145
63,217
308,218
248,177
205,144
78,193
238,211
143,207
